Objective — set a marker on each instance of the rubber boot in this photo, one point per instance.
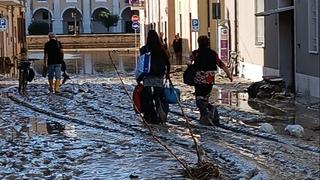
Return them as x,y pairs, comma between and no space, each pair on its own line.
202,104
51,85
57,86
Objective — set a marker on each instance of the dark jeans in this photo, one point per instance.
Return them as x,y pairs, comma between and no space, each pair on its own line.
179,57
153,105
203,89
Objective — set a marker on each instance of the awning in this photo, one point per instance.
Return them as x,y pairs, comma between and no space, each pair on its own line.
275,11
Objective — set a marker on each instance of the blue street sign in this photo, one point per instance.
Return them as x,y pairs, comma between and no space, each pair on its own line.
135,25
195,25
3,24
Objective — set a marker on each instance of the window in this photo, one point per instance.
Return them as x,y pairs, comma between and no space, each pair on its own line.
259,23
101,0
313,25
72,1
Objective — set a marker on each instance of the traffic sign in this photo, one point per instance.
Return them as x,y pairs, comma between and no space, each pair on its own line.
135,25
195,25
3,24
135,18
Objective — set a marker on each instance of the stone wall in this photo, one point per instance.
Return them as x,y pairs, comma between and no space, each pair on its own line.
82,41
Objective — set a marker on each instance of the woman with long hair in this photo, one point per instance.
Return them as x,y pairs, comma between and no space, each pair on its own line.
153,105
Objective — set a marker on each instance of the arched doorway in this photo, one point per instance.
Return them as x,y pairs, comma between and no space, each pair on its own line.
43,15
72,19
97,26
126,19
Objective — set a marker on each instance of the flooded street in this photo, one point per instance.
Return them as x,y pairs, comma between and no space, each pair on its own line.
90,130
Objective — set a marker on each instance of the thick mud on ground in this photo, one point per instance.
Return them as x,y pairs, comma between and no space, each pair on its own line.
90,131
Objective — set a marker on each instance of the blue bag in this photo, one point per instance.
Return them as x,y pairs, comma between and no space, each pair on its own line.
143,65
171,94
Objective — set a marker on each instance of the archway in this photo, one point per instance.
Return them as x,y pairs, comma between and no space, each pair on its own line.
126,19
97,26
43,15
72,19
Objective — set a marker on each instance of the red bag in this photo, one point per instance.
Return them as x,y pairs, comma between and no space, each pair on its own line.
136,97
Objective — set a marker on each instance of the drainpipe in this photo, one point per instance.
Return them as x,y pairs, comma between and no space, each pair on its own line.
208,9
236,34
13,32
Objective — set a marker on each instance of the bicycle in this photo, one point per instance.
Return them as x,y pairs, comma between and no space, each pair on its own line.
26,74
233,62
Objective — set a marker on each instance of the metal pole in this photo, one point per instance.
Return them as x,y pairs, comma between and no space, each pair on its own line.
135,45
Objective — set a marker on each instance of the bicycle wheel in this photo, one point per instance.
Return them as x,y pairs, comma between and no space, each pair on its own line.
20,80
24,81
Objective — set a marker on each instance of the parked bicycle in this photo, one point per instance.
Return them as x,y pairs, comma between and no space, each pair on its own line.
233,62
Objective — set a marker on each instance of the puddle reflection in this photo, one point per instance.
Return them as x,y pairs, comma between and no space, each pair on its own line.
237,99
35,127
91,62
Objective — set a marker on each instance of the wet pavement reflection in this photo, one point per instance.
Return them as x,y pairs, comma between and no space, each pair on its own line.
92,62
91,131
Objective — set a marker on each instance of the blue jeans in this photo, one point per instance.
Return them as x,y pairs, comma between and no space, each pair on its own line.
54,70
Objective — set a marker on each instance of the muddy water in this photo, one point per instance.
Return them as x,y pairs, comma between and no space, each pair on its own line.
280,113
96,134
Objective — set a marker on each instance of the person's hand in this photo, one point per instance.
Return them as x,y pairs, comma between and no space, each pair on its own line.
231,78
189,62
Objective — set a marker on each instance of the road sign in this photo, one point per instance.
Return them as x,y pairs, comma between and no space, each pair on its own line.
135,25
3,24
195,25
135,18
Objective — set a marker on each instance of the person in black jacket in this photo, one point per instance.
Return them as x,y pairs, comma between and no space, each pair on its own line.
177,47
153,105
53,58
205,61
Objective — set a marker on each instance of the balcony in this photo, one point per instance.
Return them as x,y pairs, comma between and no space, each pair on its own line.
11,2
136,4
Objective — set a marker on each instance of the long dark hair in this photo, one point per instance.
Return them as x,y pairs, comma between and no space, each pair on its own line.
154,44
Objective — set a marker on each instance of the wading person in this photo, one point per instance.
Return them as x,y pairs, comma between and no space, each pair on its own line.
205,61
153,105
53,57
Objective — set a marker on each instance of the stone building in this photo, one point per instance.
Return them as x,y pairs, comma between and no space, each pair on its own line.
63,15
12,34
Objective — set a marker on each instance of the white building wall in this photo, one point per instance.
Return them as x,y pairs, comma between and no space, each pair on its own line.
251,56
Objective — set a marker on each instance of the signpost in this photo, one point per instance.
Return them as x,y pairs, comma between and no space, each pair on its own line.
194,25
135,26
135,18
3,24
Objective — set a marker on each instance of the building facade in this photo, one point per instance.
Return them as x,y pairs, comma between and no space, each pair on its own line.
79,16
292,47
12,34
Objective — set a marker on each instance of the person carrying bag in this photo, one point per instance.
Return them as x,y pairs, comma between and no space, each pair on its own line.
205,61
153,104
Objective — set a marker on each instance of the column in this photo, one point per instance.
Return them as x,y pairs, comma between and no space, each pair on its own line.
57,20
86,16
142,27
28,15
116,10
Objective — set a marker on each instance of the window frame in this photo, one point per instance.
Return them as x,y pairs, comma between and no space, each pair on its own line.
316,20
257,28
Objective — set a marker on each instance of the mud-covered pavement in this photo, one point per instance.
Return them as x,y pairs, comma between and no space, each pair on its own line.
90,131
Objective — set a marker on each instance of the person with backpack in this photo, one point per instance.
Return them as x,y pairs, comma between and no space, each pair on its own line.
153,106
53,58
205,61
